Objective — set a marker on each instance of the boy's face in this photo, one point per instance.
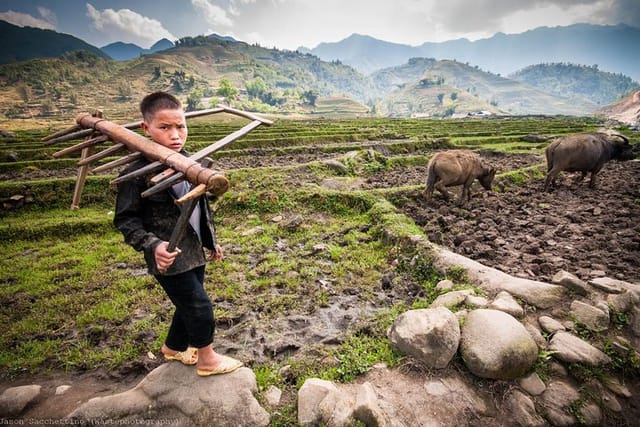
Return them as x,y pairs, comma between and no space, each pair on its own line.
168,128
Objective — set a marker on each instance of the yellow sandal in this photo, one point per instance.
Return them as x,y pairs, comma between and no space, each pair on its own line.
187,357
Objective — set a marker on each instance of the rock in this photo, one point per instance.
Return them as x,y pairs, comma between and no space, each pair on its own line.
429,335
532,384
273,396
590,414
505,302
451,299
624,302
476,301
570,282
535,333
556,401
253,231
635,322
292,223
370,411
606,284
444,285
495,345
523,411
322,403
62,389
538,294
614,385
550,325
571,349
609,400
174,391
593,318
312,392
14,399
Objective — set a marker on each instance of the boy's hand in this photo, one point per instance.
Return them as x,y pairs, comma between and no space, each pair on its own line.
164,259
216,254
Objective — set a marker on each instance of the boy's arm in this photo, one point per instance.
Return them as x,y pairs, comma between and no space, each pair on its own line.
128,218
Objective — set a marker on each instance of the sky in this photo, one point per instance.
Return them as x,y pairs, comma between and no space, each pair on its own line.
290,24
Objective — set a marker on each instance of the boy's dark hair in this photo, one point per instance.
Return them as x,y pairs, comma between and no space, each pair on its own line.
157,101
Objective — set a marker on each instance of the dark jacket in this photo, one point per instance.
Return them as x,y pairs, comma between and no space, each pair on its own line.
146,222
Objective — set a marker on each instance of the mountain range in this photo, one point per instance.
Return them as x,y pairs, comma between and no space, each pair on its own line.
272,80
612,48
123,51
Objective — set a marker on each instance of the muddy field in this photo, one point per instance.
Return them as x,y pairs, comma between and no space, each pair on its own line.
525,232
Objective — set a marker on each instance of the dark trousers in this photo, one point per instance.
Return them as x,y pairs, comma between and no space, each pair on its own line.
193,322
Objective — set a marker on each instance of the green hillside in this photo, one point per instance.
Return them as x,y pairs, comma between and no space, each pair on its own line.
421,78
201,71
568,80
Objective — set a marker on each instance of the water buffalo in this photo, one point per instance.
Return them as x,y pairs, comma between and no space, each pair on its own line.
584,152
457,167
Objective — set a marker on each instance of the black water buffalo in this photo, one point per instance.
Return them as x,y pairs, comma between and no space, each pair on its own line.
584,152
457,167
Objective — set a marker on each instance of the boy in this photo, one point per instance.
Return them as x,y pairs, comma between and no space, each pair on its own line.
147,223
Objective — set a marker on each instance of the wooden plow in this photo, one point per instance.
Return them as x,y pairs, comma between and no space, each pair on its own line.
168,166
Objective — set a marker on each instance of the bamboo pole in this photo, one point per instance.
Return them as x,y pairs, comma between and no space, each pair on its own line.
62,132
80,180
84,169
193,171
102,154
68,134
118,162
81,146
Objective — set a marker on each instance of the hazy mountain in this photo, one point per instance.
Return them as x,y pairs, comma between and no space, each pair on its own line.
122,51
612,48
564,79
428,87
366,54
23,43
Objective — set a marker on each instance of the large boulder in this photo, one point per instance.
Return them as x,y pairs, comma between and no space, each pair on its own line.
429,335
496,345
174,391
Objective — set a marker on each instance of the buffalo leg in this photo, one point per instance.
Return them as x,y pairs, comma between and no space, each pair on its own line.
465,193
593,182
441,188
550,179
428,192
580,178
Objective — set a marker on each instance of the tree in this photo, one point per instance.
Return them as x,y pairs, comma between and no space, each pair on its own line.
193,100
256,88
226,90
310,97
